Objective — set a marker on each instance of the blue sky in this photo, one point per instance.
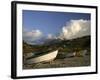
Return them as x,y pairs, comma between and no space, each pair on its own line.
39,24
49,22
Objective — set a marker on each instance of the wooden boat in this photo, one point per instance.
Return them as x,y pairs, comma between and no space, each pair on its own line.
43,57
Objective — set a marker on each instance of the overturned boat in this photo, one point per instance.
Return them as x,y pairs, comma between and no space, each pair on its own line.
42,57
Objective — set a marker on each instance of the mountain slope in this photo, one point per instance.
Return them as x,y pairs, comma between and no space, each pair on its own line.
63,45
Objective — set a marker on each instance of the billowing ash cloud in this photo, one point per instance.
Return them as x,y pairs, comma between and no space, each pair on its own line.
75,29
30,36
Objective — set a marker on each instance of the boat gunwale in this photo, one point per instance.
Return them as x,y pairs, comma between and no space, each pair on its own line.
40,54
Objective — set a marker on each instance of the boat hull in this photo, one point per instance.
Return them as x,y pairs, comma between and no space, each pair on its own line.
44,58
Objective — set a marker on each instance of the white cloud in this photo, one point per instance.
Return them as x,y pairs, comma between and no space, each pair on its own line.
50,36
75,28
30,36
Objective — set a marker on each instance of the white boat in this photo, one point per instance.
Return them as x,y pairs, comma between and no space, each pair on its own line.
43,58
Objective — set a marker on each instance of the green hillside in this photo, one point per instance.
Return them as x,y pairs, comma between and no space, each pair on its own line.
62,45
